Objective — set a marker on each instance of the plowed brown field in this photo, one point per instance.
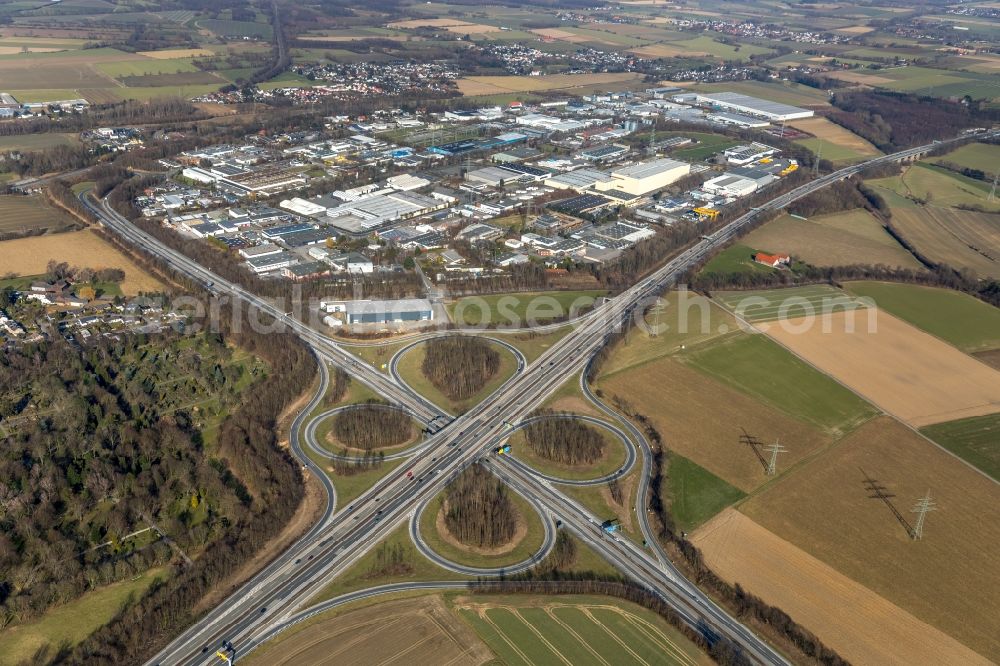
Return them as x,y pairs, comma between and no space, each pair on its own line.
861,626
948,579
702,419
904,371
404,632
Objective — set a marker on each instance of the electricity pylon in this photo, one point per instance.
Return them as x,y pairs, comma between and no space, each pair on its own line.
774,450
923,506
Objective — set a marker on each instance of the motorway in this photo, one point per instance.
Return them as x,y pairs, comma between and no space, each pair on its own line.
342,537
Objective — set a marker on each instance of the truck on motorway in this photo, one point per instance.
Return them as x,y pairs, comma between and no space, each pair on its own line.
502,449
611,525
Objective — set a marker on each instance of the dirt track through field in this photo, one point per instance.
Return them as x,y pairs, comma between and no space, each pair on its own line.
904,371
860,625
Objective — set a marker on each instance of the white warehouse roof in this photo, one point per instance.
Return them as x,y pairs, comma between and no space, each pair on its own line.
647,169
754,105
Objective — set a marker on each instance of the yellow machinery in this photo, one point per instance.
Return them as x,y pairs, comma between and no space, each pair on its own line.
709,213
788,169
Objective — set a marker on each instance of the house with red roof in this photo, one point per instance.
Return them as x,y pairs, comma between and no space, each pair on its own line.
772,260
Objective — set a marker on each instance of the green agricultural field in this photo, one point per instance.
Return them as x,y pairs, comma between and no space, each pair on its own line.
834,152
409,370
984,157
518,308
788,303
736,258
21,215
685,320
759,367
146,66
523,631
926,182
72,622
223,27
38,141
975,440
708,145
708,45
530,544
838,239
695,494
957,318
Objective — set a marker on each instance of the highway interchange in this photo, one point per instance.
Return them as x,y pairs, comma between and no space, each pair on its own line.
274,597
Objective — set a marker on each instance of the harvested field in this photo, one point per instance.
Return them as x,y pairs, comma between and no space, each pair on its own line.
21,215
170,54
838,239
855,30
406,631
561,35
948,579
860,625
906,372
451,25
496,85
683,404
14,50
959,238
823,128
29,256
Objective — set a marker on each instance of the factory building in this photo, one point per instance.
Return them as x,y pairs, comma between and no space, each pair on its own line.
646,177
751,106
379,312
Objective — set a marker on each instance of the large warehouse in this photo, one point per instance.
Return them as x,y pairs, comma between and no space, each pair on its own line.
381,312
752,106
646,177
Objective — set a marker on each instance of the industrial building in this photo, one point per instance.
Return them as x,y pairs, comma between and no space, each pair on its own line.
645,177
751,106
578,180
745,154
379,312
738,182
